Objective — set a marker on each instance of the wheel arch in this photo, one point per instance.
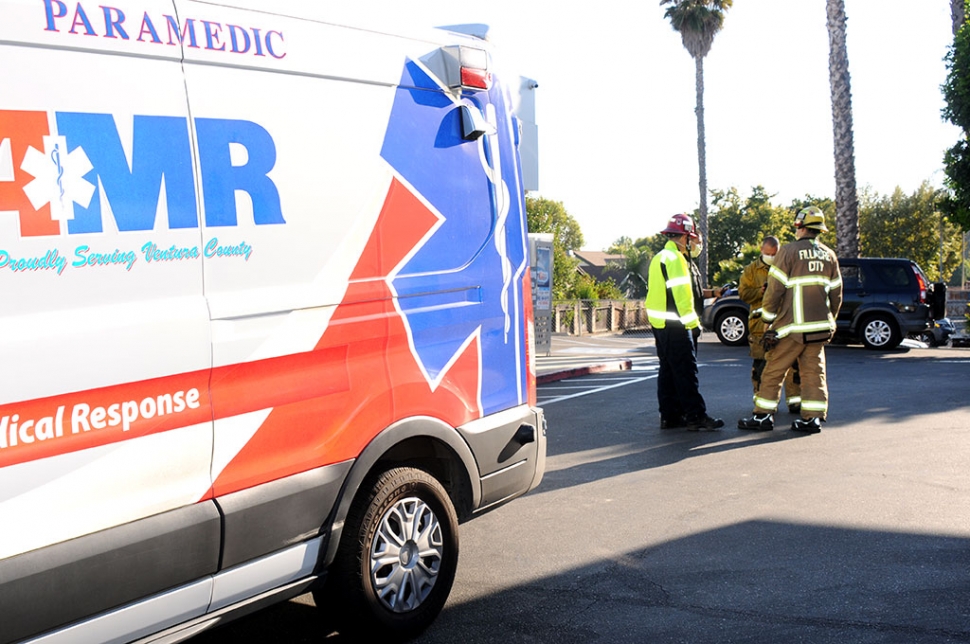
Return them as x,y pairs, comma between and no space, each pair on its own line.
741,311
423,442
862,314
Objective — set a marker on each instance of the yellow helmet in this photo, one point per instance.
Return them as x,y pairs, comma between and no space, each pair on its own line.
811,217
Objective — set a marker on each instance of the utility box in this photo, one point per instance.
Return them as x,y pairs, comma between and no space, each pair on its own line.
540,261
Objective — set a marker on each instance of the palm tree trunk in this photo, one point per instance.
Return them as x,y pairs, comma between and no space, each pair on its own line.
846,198
958,15
702,164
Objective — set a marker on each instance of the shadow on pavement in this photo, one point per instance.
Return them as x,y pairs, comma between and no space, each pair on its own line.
755,581
674,447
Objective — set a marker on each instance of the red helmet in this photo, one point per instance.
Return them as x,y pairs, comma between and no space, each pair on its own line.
680,225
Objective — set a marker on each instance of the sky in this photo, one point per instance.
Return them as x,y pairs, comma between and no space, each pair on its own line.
616,96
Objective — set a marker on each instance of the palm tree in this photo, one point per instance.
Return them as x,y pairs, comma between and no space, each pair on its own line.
958,14
846,198
698,21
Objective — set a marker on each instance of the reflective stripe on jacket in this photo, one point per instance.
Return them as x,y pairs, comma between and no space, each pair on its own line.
670,296
804,292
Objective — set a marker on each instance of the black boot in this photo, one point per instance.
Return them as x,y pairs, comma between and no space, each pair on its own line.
704,424
807,425
758,423
672,422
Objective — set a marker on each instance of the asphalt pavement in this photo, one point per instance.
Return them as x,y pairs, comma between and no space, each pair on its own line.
860,534
573,356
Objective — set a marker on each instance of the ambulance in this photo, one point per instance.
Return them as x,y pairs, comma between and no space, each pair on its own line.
265,316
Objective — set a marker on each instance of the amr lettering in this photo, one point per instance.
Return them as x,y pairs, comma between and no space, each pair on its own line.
53,181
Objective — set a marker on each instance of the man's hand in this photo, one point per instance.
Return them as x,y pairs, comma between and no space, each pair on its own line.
769,340
696,333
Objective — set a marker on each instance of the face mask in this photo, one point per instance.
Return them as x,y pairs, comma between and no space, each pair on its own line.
768,259
695,250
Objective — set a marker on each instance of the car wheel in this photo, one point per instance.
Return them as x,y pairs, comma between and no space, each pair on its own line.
397,558
880,332
731,328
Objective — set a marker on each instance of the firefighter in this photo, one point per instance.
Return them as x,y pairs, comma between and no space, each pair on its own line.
676,326
751,289
800,307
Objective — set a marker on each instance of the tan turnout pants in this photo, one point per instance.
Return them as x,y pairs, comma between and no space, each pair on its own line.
811,367
793,389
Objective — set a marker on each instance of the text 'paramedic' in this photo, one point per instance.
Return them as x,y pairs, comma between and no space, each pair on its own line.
111,22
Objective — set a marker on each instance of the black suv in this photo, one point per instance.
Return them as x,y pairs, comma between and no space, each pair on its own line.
883,301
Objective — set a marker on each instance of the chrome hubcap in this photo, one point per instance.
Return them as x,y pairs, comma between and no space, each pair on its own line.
732,328
878,333
406,555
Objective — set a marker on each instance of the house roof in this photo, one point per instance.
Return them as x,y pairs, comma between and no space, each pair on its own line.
598,258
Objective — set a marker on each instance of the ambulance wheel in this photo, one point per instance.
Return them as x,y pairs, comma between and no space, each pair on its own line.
397,557
880,332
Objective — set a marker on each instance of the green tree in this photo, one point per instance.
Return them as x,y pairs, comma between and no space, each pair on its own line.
588,288
737,228
635,267
846,197
910,226
956,92
697,22
651,245
547,216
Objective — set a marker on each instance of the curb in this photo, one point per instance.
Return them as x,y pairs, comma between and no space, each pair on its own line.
616,365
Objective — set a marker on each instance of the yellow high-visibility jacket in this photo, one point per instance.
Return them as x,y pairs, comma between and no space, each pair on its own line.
670,297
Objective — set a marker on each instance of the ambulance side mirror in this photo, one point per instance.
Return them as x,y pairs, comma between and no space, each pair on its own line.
474,124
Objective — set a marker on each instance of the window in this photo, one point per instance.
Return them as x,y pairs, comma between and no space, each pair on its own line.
852,278
894,275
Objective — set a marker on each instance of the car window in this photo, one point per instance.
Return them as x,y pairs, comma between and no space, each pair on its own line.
851,277
894,275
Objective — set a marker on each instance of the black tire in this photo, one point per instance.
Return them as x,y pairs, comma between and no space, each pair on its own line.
731,328
879,332
422,564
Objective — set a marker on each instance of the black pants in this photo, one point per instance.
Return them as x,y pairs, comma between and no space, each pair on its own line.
677,386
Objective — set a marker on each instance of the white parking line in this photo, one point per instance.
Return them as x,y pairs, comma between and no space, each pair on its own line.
594,379
596,391
559,387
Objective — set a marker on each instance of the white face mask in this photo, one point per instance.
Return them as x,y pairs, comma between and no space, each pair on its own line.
695,250
768,259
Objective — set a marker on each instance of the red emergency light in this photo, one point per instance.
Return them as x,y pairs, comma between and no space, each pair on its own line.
467,68
476,78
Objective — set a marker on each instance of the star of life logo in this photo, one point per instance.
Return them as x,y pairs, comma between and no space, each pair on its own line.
58,178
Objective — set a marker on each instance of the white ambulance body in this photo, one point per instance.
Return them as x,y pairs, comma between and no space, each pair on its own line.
265,314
